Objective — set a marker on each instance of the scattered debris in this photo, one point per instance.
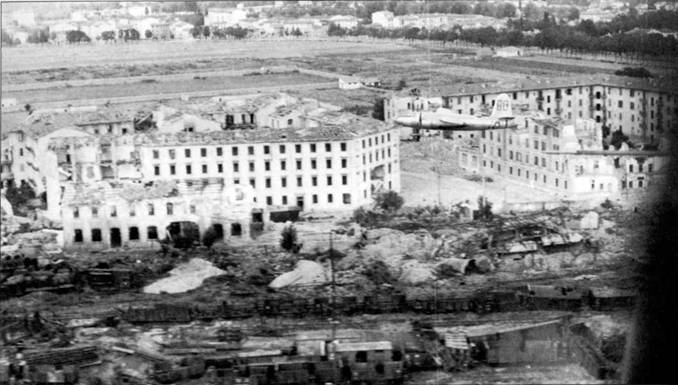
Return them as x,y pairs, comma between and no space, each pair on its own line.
589,221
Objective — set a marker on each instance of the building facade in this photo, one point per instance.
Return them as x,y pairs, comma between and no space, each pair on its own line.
643,112
102,215
278,154
566,159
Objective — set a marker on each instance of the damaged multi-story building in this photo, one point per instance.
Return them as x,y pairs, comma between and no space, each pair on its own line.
232,164
560,141
25,155
567,159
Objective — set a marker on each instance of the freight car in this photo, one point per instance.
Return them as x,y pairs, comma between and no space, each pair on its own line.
529,297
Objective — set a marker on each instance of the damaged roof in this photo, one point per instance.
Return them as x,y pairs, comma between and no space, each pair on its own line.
533,84
334,126
102,192
39,124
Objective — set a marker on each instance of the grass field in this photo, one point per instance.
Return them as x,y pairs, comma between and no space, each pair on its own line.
131,70
149,52
155,88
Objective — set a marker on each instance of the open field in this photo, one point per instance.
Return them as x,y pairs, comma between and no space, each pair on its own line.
535,68
56,56
130,70
224,83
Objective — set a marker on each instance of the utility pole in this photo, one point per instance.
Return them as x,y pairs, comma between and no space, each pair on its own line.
333,301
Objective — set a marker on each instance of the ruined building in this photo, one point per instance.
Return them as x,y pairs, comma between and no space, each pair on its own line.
228,164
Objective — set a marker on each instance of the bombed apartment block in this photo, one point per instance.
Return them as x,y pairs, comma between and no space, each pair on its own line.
134,189
104,215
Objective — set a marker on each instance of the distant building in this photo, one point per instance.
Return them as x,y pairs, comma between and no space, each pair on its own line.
349,83
181,30
344,21
8,102
509,52
161,30
370,82
383,18
484,52
24,18
224,17
145,24
386,19
667,5
139,10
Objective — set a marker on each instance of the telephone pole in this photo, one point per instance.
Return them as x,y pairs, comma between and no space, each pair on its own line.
333,301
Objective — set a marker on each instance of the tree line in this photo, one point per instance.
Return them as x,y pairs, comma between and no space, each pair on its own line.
585,36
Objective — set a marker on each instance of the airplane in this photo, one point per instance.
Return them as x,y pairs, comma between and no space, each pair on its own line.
446,120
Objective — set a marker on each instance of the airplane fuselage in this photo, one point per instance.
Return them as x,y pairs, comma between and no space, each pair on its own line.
452,122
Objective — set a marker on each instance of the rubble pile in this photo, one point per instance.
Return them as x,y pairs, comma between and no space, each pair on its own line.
184,277
305,273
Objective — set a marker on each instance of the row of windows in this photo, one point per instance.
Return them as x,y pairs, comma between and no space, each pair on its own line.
251,166
650,168
282,149
113,210
554,132
368,143
519,172
376,155
629,184
519,156
169,207
346,199
133,232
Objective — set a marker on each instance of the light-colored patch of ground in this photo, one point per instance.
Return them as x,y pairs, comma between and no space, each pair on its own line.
421,184
421,188
184,277
552,374
592,63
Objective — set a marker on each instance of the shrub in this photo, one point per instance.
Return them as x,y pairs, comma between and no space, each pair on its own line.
288,238
210,237
389,201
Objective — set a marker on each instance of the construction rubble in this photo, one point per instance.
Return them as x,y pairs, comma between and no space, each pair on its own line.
79,304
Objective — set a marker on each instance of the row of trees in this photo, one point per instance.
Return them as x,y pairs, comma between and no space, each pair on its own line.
586,36
221,33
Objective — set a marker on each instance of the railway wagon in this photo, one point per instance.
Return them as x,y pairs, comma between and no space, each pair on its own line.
283,373
607,298
158,314
188,368
542,297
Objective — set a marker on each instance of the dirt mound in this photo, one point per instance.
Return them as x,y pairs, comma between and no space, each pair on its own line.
414,272
305,273
185,277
